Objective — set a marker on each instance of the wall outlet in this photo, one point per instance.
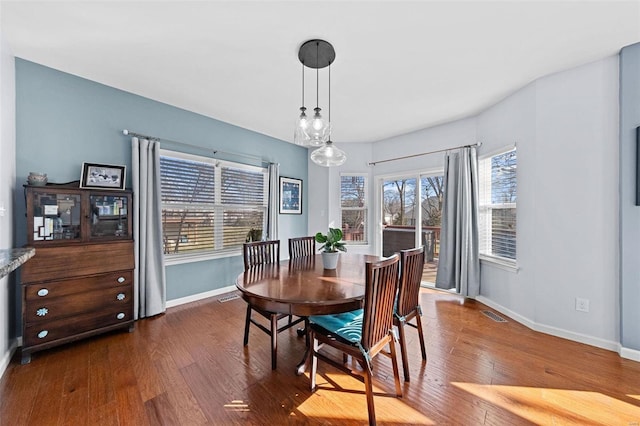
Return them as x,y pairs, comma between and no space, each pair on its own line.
582,305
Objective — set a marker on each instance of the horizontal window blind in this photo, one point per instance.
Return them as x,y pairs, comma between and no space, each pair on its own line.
209,205
353,202
497,213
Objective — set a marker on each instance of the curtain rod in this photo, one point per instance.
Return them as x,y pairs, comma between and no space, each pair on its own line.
373,163
213,151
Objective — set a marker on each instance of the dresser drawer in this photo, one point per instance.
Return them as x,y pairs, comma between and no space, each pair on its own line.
99,300
55,263
48,331
53,289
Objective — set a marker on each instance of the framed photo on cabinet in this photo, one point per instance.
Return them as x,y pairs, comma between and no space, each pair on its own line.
102,176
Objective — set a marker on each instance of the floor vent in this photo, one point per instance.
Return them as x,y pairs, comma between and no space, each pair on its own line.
228,297
494,316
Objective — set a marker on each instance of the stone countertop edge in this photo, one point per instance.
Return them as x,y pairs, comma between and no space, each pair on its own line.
10,259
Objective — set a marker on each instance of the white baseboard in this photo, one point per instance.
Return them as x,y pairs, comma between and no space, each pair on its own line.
200,296
559,332
6,357
631,354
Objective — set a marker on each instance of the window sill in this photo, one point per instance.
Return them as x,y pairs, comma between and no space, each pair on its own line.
178,259
496,262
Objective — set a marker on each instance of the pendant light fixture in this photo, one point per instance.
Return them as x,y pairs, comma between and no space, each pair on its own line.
300,136
329,155
316,130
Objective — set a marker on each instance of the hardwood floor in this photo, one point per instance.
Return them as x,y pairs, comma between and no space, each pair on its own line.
188,367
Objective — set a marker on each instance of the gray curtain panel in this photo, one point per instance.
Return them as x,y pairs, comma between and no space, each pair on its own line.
459,264
149,277
274,194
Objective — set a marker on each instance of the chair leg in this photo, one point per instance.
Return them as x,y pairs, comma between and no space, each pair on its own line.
314,360
303,331
421,335
403,350
274,341
394,363
247,323
368,386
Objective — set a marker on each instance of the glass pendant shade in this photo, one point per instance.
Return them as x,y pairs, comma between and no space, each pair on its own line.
300,136
329,155
319,129
315,131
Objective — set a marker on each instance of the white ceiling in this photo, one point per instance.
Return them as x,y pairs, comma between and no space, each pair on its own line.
400,66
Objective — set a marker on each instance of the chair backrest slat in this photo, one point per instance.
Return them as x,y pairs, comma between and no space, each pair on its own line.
380,293
302,246
411,266
260,252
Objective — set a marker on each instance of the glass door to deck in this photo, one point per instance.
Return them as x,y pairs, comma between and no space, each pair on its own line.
407,223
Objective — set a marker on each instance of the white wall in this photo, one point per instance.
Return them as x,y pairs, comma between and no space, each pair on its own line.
513,121
565,126
629,228
7,179
565,129
324,205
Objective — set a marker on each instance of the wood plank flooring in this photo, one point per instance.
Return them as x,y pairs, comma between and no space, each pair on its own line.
188,367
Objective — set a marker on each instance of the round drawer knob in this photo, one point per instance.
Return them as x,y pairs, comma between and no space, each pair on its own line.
120,315
120,296
43,334
42,312
43,292
121,280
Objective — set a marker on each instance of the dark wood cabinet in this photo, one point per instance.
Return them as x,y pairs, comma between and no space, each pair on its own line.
80,281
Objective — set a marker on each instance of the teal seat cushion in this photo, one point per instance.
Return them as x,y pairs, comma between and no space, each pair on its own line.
347,325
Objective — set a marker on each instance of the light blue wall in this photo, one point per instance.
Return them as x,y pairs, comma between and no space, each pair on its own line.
63,120
629,212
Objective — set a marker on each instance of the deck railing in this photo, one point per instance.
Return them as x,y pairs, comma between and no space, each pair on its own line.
396,238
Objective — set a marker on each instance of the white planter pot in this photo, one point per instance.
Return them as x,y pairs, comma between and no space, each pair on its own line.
330,260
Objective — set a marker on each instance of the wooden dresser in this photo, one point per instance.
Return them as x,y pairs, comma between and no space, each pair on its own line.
80,281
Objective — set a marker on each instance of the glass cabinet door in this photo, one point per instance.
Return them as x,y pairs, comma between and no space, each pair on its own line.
109,216
56,216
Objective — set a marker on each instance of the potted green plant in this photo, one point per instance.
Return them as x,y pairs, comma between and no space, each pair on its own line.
332,245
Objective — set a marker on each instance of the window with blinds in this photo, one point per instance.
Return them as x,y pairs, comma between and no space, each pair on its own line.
208,205
353,203
497,211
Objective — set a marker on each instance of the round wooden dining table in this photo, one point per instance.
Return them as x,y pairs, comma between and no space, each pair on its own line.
302,286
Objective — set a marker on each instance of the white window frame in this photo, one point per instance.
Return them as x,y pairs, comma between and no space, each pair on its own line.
485,205
364,208
179,258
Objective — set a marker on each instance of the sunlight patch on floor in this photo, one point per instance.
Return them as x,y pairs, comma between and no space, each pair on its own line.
236,405
340,397
552,406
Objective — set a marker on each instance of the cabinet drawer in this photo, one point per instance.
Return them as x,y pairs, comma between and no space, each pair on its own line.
55,263
53,289
43,332
97,301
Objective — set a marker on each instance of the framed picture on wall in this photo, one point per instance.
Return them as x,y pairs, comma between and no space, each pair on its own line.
290,195
102,176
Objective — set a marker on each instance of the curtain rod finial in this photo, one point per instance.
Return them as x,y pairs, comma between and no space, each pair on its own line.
125,132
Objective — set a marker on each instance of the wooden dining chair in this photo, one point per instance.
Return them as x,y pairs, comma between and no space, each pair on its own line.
302,246
363,333
255,255
261,252
407,305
